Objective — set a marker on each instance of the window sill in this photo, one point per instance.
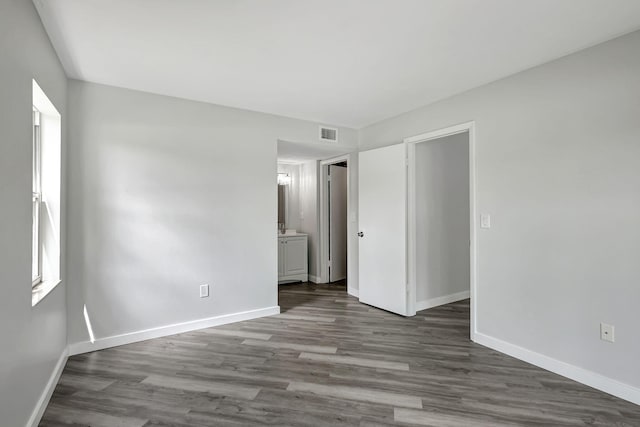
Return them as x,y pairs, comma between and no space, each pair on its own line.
42,289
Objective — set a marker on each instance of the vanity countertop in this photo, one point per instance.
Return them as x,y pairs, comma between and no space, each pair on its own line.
291,234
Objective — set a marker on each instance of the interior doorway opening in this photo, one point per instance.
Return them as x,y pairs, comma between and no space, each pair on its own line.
303,216
301,169
441,218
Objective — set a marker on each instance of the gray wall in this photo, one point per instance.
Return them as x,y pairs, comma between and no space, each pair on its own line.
442,217
164,195
33,339
309,209
558,156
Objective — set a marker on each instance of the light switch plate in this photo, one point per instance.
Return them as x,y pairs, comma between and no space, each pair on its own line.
485,221
204,291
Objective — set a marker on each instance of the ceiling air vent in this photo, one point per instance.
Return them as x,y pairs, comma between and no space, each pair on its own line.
328,134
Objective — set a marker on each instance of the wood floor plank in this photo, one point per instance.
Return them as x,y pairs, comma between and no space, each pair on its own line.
213,387
327,360
428,418
291,346
237,333
305,317
356,393
356,361
85,382
79,416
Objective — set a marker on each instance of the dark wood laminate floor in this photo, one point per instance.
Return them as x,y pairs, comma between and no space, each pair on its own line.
326,360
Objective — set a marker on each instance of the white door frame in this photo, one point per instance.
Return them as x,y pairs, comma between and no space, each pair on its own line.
323,249
412,220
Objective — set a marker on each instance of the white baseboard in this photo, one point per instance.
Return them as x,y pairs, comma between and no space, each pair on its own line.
581,375
163,331
353,292
43,401
447,299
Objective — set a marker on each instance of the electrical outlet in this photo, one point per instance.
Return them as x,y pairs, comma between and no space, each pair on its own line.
607,332
204,291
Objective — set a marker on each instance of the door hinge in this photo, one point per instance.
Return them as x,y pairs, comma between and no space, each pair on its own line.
330,263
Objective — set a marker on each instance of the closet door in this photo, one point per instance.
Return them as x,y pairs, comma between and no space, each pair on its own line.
337,223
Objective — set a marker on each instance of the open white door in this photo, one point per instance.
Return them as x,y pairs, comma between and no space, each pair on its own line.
337,223
383,229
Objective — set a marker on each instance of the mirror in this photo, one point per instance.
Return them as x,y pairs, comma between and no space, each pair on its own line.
283,191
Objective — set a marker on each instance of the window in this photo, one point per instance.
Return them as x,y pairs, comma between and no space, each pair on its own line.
46,206
36,188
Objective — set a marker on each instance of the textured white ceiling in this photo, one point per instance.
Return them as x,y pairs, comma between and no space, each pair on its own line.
343,62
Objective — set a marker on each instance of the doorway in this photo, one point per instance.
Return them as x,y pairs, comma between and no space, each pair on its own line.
441,218
334,221
301,170
406,225
304,165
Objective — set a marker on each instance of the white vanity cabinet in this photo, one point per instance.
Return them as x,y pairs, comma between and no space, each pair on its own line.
292,258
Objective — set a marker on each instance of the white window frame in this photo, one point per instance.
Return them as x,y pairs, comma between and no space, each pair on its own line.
36,198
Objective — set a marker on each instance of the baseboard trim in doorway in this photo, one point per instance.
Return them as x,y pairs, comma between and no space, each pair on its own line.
163,331
43,401
581,375
354,292
447,299
314,279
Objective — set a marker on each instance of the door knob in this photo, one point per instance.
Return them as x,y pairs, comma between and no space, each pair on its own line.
360,234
